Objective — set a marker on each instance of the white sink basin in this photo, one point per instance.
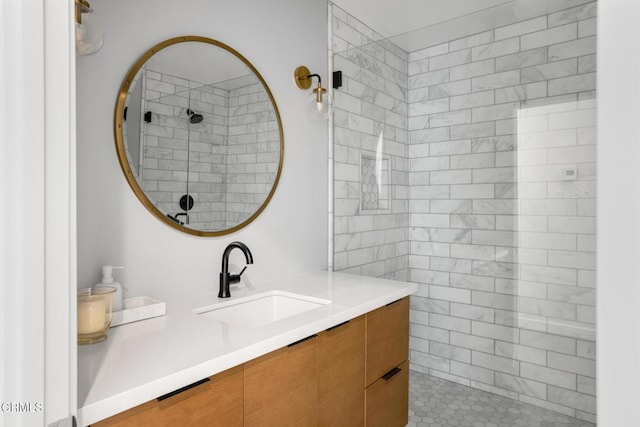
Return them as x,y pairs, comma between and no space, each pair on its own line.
261,309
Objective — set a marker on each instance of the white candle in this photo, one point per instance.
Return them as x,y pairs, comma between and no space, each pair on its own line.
92,316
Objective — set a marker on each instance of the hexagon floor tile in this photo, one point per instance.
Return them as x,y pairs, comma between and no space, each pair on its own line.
434,402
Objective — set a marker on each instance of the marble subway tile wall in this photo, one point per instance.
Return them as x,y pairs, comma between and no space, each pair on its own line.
181,157
207,157
496,159
502,210
371,167
226,163
253,149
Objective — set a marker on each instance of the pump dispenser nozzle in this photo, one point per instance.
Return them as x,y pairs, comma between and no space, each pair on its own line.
107,272
107,280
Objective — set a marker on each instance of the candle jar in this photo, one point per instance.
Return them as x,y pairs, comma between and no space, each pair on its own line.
94,314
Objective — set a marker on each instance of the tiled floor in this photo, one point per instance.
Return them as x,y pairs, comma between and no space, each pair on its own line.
434,402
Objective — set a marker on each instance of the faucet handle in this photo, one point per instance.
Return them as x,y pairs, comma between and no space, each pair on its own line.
235,278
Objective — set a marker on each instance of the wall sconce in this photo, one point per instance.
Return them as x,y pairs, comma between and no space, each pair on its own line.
88,32
320,102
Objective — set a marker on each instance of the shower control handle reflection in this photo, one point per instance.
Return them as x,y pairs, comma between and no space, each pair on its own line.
175,218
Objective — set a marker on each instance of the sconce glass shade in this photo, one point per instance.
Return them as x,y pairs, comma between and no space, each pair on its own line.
89,36
321,109
320,101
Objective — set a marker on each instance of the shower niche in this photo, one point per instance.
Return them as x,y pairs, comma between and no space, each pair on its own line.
375,192
198,136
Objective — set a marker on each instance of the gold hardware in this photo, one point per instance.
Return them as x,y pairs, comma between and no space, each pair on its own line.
82,6
302,77
120,143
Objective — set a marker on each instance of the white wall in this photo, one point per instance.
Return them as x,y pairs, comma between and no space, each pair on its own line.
114,227
618,213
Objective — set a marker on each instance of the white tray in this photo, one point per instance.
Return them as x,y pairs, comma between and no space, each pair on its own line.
138,308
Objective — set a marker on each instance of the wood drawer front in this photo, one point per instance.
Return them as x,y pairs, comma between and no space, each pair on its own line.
387,400
281,388
217,402
387,344
341,374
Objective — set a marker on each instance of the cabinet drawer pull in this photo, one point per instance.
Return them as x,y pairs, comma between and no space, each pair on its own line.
393,302
392,373
302,340
337,326
180,390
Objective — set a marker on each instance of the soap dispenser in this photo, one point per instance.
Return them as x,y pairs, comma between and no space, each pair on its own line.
107,280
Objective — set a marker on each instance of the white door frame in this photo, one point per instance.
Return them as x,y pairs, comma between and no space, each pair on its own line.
37,213
618,252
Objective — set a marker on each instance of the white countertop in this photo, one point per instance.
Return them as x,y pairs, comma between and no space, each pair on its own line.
143,360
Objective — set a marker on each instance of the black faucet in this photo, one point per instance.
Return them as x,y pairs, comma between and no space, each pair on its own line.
227,279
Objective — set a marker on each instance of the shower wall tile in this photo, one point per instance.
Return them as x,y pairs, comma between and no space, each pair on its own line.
572,84
525,167
491,142
574,14
183,147
492,50
370,117
477,99
471,41
429,79
573,49
523,59
521,385
550,37
497,80
468,161
496,363
524,92
471,372
428,52
449,59
579,401
587,27
494,112
449,89
520,28
253,144
473,69
231,155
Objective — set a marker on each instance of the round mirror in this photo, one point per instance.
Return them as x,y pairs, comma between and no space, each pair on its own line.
198,136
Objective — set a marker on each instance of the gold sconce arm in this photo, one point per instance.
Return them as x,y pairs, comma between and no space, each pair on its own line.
82,6
89,36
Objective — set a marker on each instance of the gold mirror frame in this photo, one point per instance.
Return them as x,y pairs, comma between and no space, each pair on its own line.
121,151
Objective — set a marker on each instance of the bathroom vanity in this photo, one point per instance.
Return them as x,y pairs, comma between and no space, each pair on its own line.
337,355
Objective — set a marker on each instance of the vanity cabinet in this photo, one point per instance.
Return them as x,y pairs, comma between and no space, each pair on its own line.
388,399
387,376
217,401
353,374
341,375
281,388
387,338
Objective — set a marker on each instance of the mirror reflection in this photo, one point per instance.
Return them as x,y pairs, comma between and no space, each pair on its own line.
202,138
